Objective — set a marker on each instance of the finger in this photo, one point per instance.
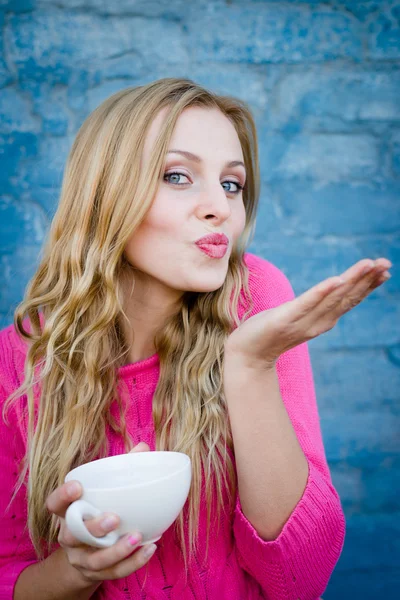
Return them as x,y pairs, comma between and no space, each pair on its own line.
126,566
98,527
381,279
105,559
359,279
141,447
59,500
303,306
358,286
362,275
363,287
323,304
134,562
362,267
338,285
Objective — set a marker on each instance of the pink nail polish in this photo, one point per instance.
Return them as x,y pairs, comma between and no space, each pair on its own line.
133,540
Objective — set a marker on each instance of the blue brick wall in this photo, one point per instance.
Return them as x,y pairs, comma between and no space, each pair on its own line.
323,80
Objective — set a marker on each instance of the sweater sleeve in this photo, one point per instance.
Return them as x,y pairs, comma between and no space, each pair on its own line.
16,549
299,562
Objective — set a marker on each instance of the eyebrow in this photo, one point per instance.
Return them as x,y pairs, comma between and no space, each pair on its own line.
197,159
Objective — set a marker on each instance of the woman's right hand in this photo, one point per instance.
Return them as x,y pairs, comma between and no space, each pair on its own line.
96,565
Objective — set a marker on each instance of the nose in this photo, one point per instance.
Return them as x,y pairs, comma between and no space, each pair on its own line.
214,204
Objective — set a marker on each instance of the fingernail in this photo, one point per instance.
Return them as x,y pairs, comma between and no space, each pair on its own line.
386,276
133,540
149,550
368,268
73,488
108,523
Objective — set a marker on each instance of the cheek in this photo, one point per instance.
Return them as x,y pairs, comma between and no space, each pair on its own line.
161,218
153,237
240,220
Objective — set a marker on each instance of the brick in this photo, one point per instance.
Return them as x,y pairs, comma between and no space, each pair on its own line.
50,102
99,93
273,146
372,432
77,92
395,151
6,318
384,33
342,209
128,66
46,197
371,583
363,10
5,75
15,149
366,486
247,84
53,42
257,33
388,247
355,380
329,157
372,542
16,270
315,95
16,113
174,8
20,221
17,6
48,168
52,37
306,263
371,323
394,355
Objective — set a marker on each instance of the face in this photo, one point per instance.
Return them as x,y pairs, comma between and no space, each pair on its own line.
199,194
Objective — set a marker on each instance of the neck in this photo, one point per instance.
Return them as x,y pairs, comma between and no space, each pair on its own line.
146,318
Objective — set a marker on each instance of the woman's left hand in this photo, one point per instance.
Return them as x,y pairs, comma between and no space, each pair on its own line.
261,339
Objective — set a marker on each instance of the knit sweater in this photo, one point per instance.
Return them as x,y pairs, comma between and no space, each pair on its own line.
240,565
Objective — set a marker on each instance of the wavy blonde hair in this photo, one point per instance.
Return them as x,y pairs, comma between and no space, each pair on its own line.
77,287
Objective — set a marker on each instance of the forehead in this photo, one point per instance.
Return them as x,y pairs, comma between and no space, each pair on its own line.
199,130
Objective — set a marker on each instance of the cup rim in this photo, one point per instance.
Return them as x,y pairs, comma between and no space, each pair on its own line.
132,485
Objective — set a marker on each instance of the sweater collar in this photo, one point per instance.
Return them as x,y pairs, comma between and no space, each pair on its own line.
147,364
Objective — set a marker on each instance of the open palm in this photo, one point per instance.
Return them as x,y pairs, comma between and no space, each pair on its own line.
265,336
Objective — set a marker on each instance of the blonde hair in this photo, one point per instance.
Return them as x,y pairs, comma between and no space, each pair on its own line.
77,286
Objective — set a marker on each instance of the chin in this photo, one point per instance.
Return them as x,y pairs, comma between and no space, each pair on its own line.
208,286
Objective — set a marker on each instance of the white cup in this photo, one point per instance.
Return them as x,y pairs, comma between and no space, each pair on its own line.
147,490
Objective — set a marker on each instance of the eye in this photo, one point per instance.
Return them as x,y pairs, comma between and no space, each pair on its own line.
238,187
176,175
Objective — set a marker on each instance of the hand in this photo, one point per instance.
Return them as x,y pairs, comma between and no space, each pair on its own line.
261,339
92,564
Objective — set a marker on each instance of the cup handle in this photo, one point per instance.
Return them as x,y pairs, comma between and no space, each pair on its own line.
79,510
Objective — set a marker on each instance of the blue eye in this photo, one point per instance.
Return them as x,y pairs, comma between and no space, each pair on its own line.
176,174
238,186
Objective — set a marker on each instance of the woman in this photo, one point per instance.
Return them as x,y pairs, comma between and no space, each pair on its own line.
139,331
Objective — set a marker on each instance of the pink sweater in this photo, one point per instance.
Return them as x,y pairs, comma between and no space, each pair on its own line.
241,565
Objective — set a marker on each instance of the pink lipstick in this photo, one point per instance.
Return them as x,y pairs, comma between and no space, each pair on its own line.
214,245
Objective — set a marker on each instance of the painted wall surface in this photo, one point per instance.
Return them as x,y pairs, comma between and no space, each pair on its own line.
323,81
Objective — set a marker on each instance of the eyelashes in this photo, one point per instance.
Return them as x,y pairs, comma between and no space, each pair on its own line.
177,173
